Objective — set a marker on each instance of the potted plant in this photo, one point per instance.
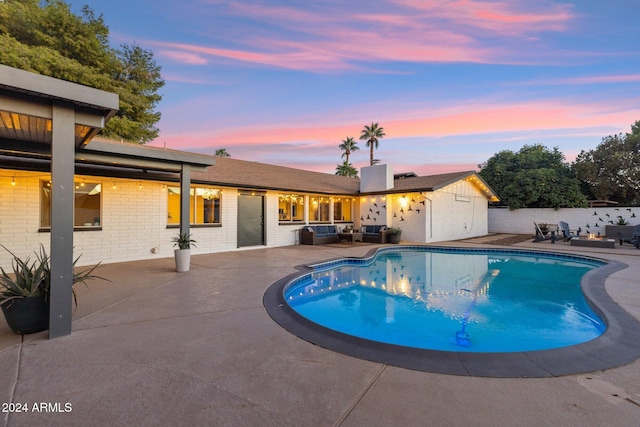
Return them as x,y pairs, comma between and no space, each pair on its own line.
24,294
621,221
394,234
183,254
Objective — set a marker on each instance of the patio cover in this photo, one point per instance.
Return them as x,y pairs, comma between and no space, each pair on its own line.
46,118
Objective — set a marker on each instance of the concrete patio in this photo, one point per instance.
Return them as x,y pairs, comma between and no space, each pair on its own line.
156,347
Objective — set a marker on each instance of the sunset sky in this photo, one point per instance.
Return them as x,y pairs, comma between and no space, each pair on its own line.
451,82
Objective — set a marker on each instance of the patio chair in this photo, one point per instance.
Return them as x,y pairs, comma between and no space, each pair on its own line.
566,232
635,239
541,237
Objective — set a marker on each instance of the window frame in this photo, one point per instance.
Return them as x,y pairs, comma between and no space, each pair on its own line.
342,199
195,205
78,185
320,202
295,203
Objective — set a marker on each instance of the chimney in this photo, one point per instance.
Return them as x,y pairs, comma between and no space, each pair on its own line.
376,178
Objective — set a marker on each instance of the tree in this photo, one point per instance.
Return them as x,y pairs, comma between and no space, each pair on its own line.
611,171
348,146
534,177
372,134
139,80
346,169
47,38
222,152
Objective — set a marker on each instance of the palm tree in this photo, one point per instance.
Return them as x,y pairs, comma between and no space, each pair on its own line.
372,134
348,146
222,152
347,169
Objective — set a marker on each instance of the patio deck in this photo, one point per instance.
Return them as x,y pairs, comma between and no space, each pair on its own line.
157,347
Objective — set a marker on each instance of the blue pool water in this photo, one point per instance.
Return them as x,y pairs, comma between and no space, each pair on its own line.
478,301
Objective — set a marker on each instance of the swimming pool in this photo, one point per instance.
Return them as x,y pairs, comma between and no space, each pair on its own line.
615,347
452,300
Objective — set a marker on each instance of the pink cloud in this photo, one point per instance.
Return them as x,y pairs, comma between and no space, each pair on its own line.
182,56
295,57
501,17
336,39
311,146
625,78
512,118
464,120
343,49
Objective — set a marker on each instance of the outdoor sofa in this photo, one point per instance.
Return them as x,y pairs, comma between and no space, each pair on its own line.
319,234
374,233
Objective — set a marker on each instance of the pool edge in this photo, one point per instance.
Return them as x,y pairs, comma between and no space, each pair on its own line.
617,346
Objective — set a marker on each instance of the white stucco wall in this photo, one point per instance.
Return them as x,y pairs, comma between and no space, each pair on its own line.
591,220
409,214
375,209
376,178
459,212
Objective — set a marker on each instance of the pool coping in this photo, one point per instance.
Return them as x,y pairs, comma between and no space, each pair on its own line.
618,346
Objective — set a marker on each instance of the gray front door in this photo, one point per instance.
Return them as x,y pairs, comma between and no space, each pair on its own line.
250,219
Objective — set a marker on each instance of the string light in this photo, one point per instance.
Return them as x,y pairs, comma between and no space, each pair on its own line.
13,181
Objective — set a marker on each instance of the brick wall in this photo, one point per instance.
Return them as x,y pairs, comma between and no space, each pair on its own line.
133,221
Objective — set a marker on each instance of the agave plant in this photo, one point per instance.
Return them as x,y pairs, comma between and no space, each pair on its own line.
33,278
29,279
184,241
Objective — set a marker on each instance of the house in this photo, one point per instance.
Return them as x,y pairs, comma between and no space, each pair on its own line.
127,197
74,193
124,212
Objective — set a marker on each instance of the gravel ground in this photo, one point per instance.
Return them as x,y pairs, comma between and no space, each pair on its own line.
511,240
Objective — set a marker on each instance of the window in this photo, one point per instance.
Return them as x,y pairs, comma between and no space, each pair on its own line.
343,209
290,207
204,205
86,204
319,209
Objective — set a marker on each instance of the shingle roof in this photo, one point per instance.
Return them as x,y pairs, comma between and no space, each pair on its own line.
254,175
435,182
242,173
429,182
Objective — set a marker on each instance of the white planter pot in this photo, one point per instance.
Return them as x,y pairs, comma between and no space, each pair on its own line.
183,259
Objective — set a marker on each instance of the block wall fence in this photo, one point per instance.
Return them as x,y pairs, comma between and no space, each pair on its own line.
590,220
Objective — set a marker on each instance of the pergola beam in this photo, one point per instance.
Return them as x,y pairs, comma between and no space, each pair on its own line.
69,105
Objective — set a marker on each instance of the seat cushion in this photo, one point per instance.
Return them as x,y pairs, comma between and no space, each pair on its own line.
322,229
374,229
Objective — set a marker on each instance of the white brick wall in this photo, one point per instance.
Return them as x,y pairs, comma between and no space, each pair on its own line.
277,234
20,215
134,219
